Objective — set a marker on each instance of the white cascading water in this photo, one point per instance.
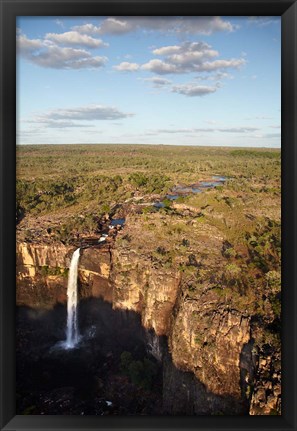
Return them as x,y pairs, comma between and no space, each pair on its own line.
72,328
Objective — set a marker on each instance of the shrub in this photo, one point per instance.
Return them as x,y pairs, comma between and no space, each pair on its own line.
264,245
138,179
232,274
140,373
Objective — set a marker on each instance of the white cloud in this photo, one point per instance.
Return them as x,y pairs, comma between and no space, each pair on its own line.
214,77
186,58
57,124
167,50
190,59
207,25
61,118
157,81
192,90
66,58
263,21
75,38
188,52
188,25
182,130
220,64
160,67
111,25
116,26
193,130
125,66
46,53
241,129
86,29
25,45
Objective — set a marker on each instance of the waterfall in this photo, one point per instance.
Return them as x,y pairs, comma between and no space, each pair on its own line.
154,347
72,329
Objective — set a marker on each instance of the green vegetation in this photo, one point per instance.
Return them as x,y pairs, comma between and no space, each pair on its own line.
42,196
255,153
155,183
46,271
264,245
140,373
90,178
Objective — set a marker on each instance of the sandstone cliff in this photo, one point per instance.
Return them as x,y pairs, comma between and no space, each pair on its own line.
214,350
42,272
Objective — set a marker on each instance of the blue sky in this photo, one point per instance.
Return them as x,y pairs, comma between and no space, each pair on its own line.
154,80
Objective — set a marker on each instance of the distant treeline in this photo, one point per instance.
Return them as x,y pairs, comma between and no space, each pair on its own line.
256,153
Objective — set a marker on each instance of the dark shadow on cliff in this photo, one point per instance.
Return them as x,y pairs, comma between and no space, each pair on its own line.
119,368
247,365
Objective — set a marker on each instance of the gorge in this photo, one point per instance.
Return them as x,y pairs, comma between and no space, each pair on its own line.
178,305
129,305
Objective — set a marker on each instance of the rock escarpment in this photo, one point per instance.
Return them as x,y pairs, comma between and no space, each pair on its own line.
215,360
205,337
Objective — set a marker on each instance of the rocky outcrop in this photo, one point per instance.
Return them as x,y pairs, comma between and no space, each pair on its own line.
42,272
265,397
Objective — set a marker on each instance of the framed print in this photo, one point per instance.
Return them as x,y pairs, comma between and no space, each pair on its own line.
148,215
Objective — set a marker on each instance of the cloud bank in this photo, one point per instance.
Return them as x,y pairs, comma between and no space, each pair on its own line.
63,118
241,129
188,57
179,25
54,51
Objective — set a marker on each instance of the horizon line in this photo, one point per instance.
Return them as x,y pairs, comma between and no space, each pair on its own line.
152,145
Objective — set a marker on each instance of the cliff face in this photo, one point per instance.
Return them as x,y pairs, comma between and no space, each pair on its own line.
205,337
215,362
138,286
42,272
266,393
208,338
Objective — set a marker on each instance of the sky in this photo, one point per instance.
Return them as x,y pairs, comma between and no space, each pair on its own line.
149,80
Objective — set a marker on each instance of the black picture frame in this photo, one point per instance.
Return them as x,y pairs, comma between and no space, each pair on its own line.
288,11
